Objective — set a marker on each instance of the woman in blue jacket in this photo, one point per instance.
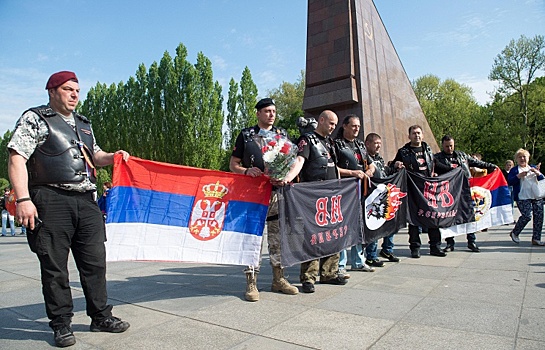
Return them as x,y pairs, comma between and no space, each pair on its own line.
524,179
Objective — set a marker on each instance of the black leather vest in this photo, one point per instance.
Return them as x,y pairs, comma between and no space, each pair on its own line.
346,158
60,159
252,155
315,167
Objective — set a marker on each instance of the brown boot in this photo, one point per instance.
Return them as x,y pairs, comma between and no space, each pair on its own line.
252,294
281,284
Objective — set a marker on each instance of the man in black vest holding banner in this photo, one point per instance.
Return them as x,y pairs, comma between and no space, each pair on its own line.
416,156
449,159
352,162
52,159
316,162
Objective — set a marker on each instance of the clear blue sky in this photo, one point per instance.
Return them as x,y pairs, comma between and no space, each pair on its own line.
105,41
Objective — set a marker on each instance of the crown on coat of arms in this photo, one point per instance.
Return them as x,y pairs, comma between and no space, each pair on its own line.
216,190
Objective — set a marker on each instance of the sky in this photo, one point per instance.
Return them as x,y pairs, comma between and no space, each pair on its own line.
105,41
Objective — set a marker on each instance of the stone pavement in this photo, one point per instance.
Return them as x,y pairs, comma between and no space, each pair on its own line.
489,300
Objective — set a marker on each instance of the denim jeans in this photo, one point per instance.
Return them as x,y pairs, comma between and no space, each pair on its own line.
356,257
5,216
387,247
527,207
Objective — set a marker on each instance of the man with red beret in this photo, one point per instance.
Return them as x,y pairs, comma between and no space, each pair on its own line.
52,159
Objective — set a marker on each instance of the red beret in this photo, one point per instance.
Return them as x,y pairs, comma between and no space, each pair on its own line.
59,78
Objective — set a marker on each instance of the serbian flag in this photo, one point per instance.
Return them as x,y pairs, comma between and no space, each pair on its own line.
492,205
160,211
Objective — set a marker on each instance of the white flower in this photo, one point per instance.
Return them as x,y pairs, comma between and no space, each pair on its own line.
269,156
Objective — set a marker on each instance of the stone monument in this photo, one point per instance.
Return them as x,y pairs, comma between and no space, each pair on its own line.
353,67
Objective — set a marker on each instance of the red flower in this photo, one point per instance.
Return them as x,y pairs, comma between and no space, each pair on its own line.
272,143
285,149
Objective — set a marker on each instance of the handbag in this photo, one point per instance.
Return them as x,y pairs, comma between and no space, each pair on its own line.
539,189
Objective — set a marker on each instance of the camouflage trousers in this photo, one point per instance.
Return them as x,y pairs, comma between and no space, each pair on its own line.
273,231
326,267
273,234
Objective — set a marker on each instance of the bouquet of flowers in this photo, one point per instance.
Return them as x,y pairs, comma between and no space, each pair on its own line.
279,153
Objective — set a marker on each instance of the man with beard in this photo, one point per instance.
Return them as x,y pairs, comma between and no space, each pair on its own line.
352,162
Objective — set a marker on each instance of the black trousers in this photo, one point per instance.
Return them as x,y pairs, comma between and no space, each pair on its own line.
434,236
71,221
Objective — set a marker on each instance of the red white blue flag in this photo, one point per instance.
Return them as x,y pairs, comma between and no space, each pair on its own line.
159,211
492,205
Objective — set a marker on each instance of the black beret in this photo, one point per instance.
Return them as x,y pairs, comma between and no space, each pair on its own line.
264,102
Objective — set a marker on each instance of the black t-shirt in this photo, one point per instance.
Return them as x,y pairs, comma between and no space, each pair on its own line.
420,159
352,146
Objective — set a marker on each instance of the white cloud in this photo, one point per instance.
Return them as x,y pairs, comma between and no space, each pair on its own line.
219,62
482,87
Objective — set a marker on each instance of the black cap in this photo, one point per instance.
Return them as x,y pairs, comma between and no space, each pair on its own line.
264,102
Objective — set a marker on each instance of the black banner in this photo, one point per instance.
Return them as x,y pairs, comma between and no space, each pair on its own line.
385,207
439,202
318,219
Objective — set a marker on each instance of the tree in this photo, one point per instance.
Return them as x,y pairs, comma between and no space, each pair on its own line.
288,98
234,122
515,68
4,154
450,108
247,99
171,112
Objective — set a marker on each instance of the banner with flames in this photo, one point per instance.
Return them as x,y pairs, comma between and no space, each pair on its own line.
159,211
385,207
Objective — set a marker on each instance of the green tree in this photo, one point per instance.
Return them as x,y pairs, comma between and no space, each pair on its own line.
4,154
4,182
171,112
247,99
450,108
234,122
288,98
515,68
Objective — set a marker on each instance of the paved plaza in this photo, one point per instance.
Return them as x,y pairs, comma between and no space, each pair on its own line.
489,300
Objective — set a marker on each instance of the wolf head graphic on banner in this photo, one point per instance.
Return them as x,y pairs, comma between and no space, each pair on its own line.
382,205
